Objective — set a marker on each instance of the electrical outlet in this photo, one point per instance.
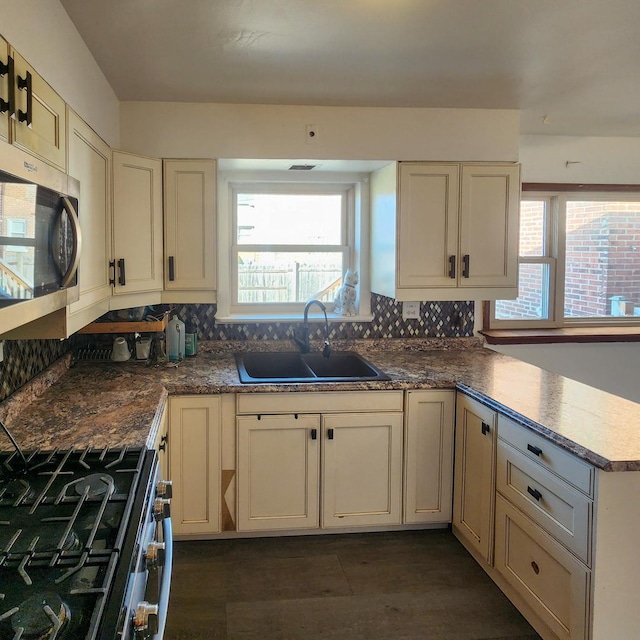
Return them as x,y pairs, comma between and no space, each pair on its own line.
311,133
410,310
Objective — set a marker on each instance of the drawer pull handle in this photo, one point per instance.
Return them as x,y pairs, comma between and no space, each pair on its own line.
485,428
330,434
537,451
314,434
535,493
535,567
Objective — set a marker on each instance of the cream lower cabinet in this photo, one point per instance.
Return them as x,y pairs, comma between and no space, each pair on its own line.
361,469
278,472
474,478
428,456
318,459
195,463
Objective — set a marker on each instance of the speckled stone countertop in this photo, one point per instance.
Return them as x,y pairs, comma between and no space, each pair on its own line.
115,404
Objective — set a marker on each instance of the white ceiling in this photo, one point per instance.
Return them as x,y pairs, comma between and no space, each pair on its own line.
577,62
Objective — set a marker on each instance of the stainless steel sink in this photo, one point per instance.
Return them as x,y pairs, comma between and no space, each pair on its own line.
280,367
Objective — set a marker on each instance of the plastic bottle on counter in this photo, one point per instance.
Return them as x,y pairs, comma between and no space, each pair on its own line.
175,339
191,341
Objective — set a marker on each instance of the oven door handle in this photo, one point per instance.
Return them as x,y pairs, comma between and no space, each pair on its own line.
165,580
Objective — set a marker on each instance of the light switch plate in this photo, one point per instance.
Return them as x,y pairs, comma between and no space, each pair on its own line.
410,310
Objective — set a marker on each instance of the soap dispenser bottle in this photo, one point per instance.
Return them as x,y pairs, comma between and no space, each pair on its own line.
175,339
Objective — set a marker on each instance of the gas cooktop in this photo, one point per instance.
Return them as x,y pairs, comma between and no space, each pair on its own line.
64,518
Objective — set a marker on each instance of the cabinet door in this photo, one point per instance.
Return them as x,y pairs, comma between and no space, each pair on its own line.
46,138
489,206
194,465
137,223
161,445
4,90
278,472
189,229
361,469
427,225
474,482
428,456
90,163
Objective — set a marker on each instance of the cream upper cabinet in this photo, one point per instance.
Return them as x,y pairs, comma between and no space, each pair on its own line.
428,479
90,163
39,126
278,466
361,469
445,231
474,481
137,227
189,231
4,90
195,463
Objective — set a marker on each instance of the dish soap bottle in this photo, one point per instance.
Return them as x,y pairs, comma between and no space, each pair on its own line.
175,339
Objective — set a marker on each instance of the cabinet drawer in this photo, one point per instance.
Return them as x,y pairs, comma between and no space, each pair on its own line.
324,402
556,506
577,473
545,575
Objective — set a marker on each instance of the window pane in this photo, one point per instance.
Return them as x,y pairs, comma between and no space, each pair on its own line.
533,218
288,277
602,259
532,302
273,218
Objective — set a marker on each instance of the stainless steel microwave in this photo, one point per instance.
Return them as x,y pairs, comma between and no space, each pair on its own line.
40,239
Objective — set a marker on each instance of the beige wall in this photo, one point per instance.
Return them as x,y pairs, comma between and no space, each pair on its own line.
598,160
44,35
270,131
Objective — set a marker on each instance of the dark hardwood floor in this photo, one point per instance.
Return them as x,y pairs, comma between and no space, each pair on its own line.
406,585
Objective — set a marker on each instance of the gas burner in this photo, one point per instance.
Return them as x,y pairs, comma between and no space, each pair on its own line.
98,484
40,617
15,491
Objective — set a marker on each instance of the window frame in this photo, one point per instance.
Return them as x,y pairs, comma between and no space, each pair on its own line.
556,237
354,230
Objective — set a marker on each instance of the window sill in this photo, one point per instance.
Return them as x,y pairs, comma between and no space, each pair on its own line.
251,319
564,335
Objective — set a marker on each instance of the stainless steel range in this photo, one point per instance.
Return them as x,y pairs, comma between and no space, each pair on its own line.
84,534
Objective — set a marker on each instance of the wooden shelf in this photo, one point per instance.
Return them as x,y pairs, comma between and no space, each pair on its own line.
144,326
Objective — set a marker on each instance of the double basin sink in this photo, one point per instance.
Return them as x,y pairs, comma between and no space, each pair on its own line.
283,367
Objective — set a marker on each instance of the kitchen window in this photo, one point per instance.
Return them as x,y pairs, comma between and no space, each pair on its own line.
289,242
579,262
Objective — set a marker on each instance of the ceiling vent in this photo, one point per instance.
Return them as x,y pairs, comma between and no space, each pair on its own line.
302,167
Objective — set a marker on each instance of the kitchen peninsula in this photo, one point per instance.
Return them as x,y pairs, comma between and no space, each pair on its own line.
116,404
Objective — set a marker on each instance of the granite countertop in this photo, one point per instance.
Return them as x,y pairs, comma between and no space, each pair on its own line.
115,404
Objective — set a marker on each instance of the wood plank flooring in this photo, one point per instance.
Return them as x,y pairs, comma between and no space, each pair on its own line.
405,585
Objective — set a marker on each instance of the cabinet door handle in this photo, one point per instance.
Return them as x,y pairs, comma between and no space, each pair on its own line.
172,269
112,274
122,280
535,567
452,267
8,105
534,493
314,434
330,434
24,84
485,428
537,451
465,265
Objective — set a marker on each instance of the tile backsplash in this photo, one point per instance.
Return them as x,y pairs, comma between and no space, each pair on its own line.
24,359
